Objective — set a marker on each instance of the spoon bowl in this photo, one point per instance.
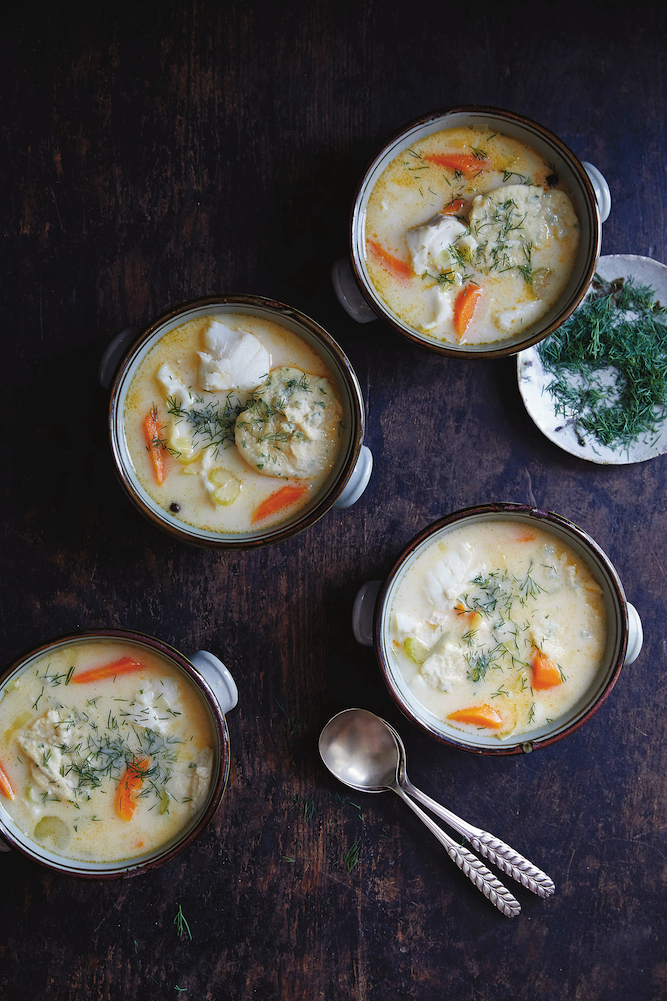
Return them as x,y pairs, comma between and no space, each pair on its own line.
361,751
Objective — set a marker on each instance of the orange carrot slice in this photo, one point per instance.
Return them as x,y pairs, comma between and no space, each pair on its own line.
128,787
152,432
123,666
545,672
5,785
464,308
465,163
483,715
453,207
399,268
277,501
472,614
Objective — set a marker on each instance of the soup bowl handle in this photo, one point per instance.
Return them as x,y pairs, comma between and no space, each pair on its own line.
635,635
363,611
218,678
358,481
113,353
348,293
601,189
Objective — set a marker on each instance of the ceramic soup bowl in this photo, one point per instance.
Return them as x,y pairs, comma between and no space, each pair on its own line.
115,752
214,500
585,185
485,604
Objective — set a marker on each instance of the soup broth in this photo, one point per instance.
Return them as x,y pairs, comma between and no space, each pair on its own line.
106,750
470,237
233,423
498,627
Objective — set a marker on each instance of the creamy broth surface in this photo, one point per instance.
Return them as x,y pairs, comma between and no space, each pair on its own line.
466,214
67,747
244,408
498,628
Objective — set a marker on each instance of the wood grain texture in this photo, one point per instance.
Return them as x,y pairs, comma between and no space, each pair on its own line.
155,152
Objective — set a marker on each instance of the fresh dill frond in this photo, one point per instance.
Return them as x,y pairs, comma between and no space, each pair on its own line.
182,926
609,364
351,856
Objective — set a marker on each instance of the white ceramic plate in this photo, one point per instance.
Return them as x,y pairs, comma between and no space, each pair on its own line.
533,380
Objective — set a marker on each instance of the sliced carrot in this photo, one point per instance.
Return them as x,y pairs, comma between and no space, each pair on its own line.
123,666
399,267
466,163
152,430
483,715
464,308
277,501
472,614
453,207
545,672
5,785
128,787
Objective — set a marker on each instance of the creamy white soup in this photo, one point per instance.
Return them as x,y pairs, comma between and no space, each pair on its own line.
498,628
233,423
470,237
106,751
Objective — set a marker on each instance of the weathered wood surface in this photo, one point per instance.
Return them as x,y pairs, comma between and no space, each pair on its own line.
156,152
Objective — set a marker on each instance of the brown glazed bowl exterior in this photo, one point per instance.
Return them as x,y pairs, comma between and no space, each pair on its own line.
319,340
553,151
617,638
17,840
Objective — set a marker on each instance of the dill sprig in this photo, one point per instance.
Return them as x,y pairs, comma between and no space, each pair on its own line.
182,926
609,362
351,856
210,423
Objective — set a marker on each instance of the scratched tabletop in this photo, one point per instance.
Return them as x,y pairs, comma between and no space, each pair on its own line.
157,152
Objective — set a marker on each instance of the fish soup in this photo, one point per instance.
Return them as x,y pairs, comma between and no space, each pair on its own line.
107,751
233,423
470,236
498,628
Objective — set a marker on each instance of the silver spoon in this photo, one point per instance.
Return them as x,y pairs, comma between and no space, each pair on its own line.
506,858
360,749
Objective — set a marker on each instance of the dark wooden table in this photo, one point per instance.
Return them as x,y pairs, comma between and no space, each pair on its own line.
155,152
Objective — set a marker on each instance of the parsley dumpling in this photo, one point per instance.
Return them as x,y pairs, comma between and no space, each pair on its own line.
291,425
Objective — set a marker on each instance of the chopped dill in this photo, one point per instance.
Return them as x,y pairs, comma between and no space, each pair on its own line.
293,720
181,923
210,423
306,807
351,856
609,362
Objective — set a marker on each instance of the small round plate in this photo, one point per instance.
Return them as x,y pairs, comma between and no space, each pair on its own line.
533,380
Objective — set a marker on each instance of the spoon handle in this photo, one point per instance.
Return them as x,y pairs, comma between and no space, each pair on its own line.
506,858
468,863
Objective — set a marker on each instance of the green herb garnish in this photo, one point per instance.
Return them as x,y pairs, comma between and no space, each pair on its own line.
351,856
181,923
609,362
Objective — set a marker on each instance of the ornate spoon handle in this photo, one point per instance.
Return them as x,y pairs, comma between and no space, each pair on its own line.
468,863
506,858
